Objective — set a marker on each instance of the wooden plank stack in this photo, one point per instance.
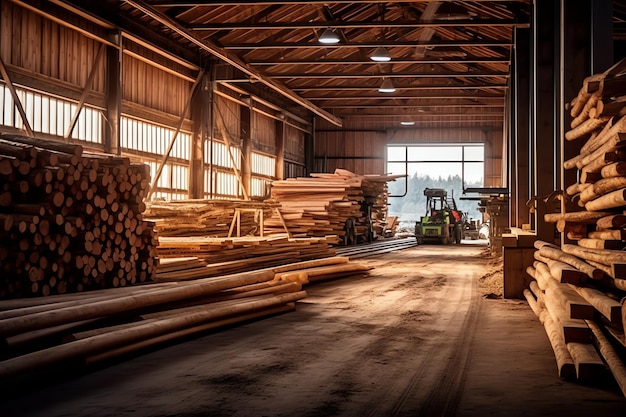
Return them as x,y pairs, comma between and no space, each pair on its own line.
204,217
70,221
238,254
323,203
580,283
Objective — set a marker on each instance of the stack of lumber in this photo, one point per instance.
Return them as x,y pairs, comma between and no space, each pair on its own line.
580,283
70,221
100,325
204,217
323,203
231,255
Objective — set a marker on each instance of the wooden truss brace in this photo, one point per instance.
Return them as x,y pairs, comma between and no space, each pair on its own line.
16,99
86,90
166,155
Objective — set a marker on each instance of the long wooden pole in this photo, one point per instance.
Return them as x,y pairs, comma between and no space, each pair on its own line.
100,343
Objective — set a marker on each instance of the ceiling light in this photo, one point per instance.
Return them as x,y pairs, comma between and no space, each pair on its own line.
328,37
380,55
387,86
407,123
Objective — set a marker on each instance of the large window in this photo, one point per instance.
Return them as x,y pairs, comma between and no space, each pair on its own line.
149,141
51,115
452,167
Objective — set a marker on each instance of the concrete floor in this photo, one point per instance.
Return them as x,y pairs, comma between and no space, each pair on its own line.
416,337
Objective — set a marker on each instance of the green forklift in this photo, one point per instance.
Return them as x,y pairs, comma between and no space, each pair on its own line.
443,222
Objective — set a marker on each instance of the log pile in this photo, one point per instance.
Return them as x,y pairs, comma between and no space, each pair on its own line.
205,217
339,204
70,221
580,283
99,325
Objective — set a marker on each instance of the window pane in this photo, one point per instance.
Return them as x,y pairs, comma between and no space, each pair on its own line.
396,153
435,153
474,153
396,168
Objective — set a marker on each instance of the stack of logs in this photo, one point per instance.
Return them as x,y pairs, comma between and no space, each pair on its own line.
100,325
580,283
324,203
70,221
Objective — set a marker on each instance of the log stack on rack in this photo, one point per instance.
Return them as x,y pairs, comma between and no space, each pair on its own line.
580,284
70,221
325,203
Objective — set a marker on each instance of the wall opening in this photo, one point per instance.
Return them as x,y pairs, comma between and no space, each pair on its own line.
452,167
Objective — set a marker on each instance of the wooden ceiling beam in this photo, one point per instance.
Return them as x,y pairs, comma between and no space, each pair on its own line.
412,106
416,87
468,60
409,75
507,43
340,24
187,3
385,96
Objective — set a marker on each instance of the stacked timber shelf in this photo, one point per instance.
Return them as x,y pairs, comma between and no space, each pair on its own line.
342,203
580,284
70,221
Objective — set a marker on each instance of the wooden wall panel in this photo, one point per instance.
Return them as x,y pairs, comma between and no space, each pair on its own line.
151,87
42,47
263,133
359,152
294,145
229,112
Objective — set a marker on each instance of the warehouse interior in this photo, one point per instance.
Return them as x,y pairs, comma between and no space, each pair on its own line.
217,208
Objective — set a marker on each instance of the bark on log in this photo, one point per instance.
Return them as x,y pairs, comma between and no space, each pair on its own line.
586,217
611,221
610,356
608,201
552,252
585,128
588,363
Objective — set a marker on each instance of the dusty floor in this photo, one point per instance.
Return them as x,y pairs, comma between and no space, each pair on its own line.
422,335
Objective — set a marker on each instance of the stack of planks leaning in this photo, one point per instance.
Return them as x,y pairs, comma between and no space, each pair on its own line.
579,285
70,221
331,204
39,334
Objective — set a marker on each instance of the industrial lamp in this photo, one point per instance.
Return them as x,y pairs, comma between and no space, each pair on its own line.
380,55
328,37
387,86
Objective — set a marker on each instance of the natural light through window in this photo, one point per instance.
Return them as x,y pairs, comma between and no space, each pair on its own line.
452,167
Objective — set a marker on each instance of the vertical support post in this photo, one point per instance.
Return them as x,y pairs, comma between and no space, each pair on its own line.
511,132
200,114
522,130
602,53
280,150
545,24
309,150
575,65
114,56
245,132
